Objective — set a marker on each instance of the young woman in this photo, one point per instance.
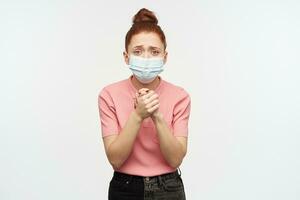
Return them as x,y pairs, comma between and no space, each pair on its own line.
144,120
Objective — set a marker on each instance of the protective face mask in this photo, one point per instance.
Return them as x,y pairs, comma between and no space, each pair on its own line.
145,69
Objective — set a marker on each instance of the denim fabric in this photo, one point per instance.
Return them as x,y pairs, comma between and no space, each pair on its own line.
164,187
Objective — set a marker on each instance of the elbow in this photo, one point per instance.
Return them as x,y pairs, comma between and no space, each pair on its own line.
116,164
175,163
174,166
116,160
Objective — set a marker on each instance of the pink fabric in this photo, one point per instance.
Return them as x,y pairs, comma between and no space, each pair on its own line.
115,103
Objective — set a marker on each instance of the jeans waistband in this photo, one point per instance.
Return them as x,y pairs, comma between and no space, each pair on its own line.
135,177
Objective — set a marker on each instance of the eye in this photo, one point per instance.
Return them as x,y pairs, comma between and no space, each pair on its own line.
155,52
137,52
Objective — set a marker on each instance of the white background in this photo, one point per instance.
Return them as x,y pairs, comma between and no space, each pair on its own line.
239,60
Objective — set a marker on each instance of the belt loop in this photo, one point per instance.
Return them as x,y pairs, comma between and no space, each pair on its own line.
179,171
160,182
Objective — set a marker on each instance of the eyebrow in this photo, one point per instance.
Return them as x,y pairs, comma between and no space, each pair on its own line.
151,47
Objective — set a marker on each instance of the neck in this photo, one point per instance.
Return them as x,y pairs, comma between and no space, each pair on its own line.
151,86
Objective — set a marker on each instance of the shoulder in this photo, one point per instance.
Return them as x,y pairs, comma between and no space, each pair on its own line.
112,88
175,91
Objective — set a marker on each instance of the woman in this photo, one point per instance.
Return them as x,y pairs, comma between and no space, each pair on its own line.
144,120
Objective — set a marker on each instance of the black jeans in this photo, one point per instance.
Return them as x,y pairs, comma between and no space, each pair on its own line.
129,187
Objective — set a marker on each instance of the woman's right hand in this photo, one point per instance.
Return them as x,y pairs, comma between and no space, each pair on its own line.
146,103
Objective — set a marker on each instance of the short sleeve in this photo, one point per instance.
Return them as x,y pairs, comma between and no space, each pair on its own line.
107,113
181,115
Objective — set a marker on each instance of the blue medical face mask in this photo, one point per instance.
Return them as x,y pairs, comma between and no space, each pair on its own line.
145,69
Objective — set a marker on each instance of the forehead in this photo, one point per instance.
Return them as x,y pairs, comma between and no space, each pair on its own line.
146,39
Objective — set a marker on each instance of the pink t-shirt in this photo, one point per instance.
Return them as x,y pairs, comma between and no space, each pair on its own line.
115,102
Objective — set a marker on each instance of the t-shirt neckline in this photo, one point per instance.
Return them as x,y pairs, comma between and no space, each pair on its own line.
157,89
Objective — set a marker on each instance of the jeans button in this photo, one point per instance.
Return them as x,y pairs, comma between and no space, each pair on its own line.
147,178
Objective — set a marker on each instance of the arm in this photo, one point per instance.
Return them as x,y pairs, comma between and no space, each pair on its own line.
173,148
118,147
173,145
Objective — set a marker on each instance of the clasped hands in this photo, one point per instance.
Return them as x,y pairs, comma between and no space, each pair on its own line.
146,104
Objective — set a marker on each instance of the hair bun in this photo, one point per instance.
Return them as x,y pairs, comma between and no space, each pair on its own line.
144,15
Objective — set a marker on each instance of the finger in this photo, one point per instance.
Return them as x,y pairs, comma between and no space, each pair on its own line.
146,93
149,94
137,97
152,98
135,100
143,91
150,110
153,103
